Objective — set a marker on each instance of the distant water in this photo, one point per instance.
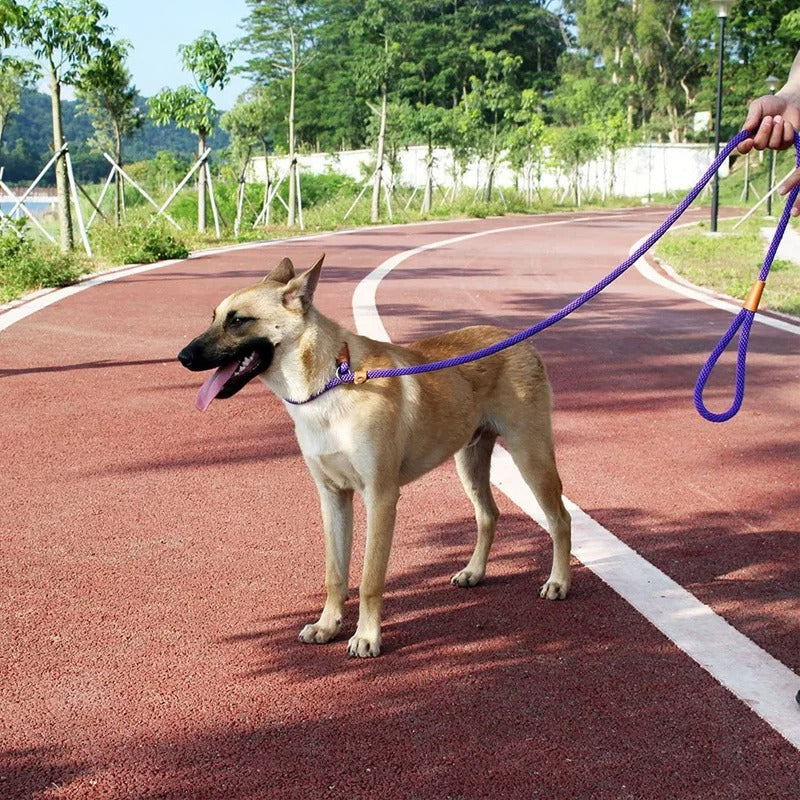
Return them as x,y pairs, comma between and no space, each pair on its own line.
37,207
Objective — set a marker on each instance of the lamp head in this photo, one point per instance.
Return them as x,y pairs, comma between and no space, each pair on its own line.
772,83
722,6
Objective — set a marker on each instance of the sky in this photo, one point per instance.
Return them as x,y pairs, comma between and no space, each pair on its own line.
155,29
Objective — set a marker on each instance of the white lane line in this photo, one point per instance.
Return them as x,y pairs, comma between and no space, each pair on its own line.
762,682
365,307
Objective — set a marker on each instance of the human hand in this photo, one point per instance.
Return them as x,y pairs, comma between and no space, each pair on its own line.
774,120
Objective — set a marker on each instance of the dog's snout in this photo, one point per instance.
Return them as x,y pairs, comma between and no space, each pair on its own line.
186,356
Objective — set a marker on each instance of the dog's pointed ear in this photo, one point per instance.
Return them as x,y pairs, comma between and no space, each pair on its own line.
283,273
300,290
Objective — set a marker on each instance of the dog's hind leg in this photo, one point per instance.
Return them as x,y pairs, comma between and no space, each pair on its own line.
537,464
337,519
473,463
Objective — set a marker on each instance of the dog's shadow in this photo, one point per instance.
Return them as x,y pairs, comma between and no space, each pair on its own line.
500,619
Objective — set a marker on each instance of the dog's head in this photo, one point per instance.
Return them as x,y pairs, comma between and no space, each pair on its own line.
247,326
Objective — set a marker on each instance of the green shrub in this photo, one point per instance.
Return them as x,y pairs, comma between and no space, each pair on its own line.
26,266
140,241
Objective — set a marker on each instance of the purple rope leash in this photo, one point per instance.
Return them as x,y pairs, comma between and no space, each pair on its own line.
743,321
345,375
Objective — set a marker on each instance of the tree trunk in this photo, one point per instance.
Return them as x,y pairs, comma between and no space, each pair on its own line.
376,188
292,157
201,185
62,180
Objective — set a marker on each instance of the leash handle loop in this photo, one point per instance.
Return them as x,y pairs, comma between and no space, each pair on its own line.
743,321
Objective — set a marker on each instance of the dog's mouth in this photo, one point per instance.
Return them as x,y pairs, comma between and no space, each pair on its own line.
231,377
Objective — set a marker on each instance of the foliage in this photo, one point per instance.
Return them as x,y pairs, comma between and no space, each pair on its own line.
427,53
104,88
29,145
187,107
63,33
207,60
142,240
16,74
11,15
26,266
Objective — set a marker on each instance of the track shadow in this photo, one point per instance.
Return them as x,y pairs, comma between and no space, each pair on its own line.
89,365
37,772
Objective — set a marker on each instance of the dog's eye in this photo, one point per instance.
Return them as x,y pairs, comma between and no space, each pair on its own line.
237,322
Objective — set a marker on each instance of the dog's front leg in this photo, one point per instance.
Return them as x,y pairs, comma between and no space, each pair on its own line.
337,520
381,506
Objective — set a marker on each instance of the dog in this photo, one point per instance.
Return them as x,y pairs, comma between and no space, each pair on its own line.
375,437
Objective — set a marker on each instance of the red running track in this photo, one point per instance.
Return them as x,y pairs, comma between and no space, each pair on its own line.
157,563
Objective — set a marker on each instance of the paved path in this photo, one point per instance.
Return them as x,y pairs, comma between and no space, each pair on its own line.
157,563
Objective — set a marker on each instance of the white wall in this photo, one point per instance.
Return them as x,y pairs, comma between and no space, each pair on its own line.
638,171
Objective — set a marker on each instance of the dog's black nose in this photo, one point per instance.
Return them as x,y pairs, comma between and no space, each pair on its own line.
186,357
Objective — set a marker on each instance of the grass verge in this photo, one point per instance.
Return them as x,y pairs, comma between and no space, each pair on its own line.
728,262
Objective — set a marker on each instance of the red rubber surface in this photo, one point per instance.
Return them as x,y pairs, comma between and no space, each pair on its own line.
157,563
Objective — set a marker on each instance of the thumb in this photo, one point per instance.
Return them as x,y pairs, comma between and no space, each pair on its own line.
754,115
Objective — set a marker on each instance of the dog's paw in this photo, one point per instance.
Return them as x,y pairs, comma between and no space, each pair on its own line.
467,578
554,590
364,647
316,633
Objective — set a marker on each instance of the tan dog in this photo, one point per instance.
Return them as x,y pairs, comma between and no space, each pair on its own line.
375,437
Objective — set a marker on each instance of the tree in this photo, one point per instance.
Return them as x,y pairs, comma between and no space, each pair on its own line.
190,106
763,37
571,147
588,97
281,39
376,34
63,34
525,140
494,95
104,87
16,74
432,124
248,122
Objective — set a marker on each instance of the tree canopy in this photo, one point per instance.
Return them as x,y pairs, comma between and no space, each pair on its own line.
469,73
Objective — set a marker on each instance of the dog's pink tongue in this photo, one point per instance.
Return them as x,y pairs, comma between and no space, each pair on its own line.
213,386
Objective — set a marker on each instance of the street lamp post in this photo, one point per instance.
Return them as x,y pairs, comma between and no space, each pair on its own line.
772,84
723,7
